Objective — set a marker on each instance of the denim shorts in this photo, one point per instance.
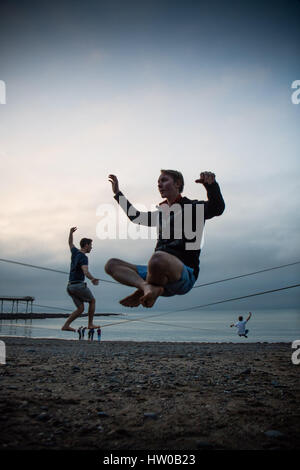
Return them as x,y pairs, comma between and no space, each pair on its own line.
80,293
180,287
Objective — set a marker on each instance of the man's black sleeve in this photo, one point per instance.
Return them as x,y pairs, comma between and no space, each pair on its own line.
137,217
215,204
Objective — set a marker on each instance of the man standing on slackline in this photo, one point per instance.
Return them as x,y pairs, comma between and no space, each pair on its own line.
77,288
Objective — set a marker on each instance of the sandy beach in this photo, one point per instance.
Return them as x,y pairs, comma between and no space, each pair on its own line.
60,394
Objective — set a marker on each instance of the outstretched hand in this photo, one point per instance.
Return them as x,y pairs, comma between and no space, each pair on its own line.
114,183
73,229
206,177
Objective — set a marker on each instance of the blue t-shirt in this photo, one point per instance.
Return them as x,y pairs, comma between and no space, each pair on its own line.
78,259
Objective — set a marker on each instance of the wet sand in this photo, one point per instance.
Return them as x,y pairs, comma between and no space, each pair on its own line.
60,394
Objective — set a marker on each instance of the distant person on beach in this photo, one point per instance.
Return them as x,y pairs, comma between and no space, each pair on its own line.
241,326
79,332
99,334
91,334
77,288
83,332
174,266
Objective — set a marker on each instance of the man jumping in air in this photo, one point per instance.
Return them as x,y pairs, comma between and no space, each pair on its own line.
77,288
174,266
241,326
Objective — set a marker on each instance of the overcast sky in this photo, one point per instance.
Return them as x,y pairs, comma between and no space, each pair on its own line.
100,87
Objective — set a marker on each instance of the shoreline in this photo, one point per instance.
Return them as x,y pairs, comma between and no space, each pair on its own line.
124,395
38,316
241,343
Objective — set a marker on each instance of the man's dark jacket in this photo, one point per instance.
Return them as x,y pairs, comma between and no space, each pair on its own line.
214,206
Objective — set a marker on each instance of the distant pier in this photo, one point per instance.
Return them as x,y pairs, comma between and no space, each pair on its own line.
14,303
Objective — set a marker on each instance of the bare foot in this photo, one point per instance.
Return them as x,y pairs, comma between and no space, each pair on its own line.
151,293
90,327
68,328
132,300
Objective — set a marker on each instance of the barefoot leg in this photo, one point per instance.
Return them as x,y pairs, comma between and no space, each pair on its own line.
151,293
67,328
132,300
126,274
91,312
72,317
162,269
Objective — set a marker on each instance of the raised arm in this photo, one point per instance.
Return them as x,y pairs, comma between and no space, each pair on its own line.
215,204
143,218
70,240
249,316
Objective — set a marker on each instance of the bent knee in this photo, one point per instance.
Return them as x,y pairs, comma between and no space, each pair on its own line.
162,263
158,260
110,265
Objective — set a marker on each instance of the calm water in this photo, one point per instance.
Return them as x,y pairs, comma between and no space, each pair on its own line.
199,326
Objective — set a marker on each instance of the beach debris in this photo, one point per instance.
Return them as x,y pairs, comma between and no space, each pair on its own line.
43,416
151,415
275,383
246,371
23,404
203,445
273,433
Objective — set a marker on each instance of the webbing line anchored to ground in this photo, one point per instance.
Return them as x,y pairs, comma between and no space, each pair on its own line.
48,269
195,287
248,274
178,310
198,307
117,283
207,305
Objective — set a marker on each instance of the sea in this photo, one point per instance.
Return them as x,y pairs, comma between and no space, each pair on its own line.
190,326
